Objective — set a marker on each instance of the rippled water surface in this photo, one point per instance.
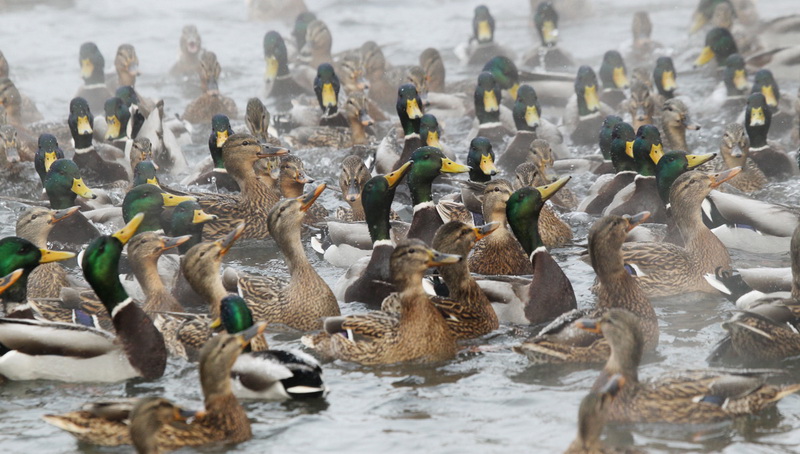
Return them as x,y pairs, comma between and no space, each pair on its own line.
492,401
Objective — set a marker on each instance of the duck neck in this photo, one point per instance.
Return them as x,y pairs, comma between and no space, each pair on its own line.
675,137
357,208
146,271
420,187
377,222
528,234
60,198
82,141
410,126
624,360
292,248
357,131
291,188
758,136
462,285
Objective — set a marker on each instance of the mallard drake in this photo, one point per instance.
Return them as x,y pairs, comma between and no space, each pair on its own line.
592,419
768,155
220,131
481,46
63,183
675,120
137,349
429,163
664,78
354,133
280,85
138,108
584,114
664,269
47,152
211,102
690,397
554,231
353,177
240,152
34,225
782,119
260,373
94,88
549,293
548,56
487,97
150,200
372,283
188,218
734,147
118,121
614,78
730,96
419,333
106,162
606,135
223,421
409,109
647,150
641,105
720,44
144,173
190,49
292,181
560,342
326,88
606,187
19,253
480,160
305,298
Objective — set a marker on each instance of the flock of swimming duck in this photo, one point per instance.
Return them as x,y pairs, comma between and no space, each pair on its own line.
476,236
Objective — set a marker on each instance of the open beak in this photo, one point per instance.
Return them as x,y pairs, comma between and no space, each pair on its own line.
757,116
54,256
78,187
251,333
308,199
200,216
268,151
222,136
484,230
586,324
10,279
668,82
620,78
705,56
490,101
699,159
60,215
412,109
171,200
126,233
230,238
436,258
395,177
549,190
449,166
487,165
590,96
636,219
719,178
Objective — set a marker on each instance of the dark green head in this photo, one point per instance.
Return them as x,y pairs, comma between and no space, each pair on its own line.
735,75
376,198
409,108
487,98
46,154
275,56
527,110
483,25
326,87
234,314
220,131
128,95
546,20
429,131
757,119
147,199
647,150
188,218
145,173
613,73
92,64
674,164
766,85
63,183
586,91
522,212
606,134
18,253
719,45
480,159
664,76
80,123
622,137
117,117
429,163
300,27
505,74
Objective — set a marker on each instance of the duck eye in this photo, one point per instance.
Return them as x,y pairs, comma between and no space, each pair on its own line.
246,142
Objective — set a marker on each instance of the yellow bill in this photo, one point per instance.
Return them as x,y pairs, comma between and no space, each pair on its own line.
484,31
272,69
171,200
668,82
54,256
487,165
656,152
769,94
84,126
549,190
412,109
450,166
620,78
705,56
490,102
126,233
395,177
531,116
200,216
222,136
114,127
699,159
433,140
78,187
328,95
87,68
590,96
757,116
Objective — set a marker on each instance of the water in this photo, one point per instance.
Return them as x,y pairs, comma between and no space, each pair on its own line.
489,402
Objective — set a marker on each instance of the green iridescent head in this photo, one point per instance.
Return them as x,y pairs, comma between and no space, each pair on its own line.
429,163
522,212
606,134
480,159
47,153
100,264
487,99
505,74
622,137
18,253
149,200
326,87
613,73
409,108
647,150
674,164
664,76
63,183
527,111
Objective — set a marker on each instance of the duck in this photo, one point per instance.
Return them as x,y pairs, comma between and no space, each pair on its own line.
642,47
94,89
730,96
47,152
166,143
549,293
606,187
264,374
240,152
188,218
210,102
106,162
326,88
769,156
442,105
63,184
487,97
429,163
144,251
719,45
119,122
126,64
664,269
34,225
29,114
138,107
352,178
664,79
782,119
190,50
150,200
214,171
675,120
592,419
280,84
560,341
148,416
606,135
734,147
409,109
682,397
480,160
481,46
641,106
19,253
382,91
316,51
614,78
223,420
548,56
292,181
352,134
10,159
257,119
584,114
372,283
136,350
554,231
418,333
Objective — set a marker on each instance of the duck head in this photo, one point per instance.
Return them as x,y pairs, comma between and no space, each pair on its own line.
546,20
326,87
522,212
483,25
188,218
505,74
487,99
220,131
20,254
117,118
47,153
621,150
409,108
429,163
275,56
606,131
664,77
735,75
149,200
63,183
647,150
376,198
480,159
719,45
612,71
586,90
92,64
674,164
527,110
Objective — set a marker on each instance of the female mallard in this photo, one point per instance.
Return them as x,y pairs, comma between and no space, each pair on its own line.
260,373
674,123
191,47
147,418
353,177
58,351
144,251
559,342
691,397
734,147
126,64
223,421
107,162
614,77
257,120
548,56
46,280
592,419
292,181
584,114
240,152
664,269
768,155
641,105
211,102
94,88
305,298
549,293
419,333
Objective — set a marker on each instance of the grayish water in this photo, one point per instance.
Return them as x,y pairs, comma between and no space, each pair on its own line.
488,402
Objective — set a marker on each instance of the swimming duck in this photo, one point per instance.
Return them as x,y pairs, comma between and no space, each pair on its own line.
94,89
191,48
138,108
144,251
419,333
150,200
592,419
487,97
148,416
353,133
210,102
353,177
240,152
584,113
480,160
664,269
560,342
280,84
257,119
614,77
118,120
34,225
63,183
106,162
554,231
409,109
720,44
643,46
481,46
641,105
19,253
691,397
29,114
606,187
431,62
316,51
260,373
549,293
46,154
292,180
548,56
144,173
188,218
734,147
768,155
126,64
137,350
223,421
429,163
664,78
10,151
326,87
214,172
782,119
382,91
675,120
728,100
606,135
